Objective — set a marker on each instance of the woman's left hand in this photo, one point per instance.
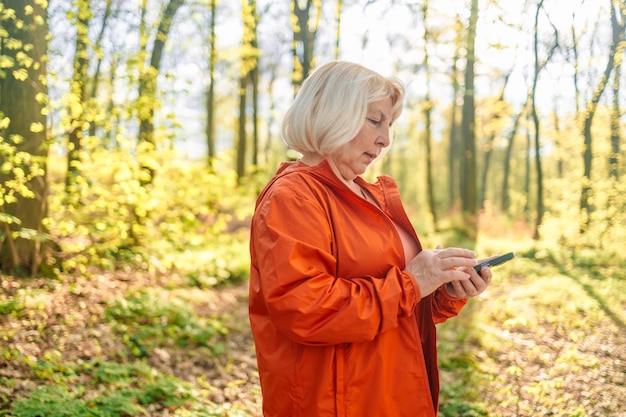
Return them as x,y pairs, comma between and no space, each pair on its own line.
472,287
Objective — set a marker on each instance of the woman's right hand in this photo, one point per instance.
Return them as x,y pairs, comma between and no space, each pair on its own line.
434,268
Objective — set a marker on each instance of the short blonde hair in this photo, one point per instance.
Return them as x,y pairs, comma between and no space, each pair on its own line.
331,105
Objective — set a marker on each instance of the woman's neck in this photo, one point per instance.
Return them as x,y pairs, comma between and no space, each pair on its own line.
311,158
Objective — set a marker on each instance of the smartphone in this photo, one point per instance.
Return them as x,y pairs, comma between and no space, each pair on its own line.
495,261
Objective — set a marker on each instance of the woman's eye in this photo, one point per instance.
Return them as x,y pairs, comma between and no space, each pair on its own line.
374,121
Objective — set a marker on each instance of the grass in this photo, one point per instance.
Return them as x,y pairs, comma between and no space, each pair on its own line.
546,339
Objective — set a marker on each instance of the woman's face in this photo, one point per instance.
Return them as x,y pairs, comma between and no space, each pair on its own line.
354,157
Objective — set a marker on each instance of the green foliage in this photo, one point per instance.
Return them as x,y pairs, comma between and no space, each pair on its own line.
17,169
186,219
11,306
51,401
150,318
125,390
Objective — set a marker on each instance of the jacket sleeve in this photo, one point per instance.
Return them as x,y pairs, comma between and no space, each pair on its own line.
444,306
293,250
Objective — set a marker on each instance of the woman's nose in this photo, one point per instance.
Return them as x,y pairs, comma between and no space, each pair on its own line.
383,138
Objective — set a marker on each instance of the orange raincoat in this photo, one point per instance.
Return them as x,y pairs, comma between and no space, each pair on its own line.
340,328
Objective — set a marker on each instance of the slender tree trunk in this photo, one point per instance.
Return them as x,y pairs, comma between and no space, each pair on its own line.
304,32
148,79
254,84
527,159
454,151
618,37
210,97
112,125
95,80
78,91
338,11
504,203
491,138
468,134
586,192
537,129
267,149
20,102
558,141
248,78
427,106
241,144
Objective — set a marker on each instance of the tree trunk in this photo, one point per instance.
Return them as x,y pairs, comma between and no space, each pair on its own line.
620,41
427,106
248,79
558,141
537,129
148,83
21,249
241,145
338,11
454,154
585,195
527,160
491,138
95,79
304,32
210,98
468,134
78,93
254,84
504,203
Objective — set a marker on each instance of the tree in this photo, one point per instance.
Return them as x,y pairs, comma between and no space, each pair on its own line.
535,117
210,95
454,154
304,27
497,116
468,133
427,109
616,113
78,92
95,79
248,77
618,26
148,76
338,11
23,152
504,195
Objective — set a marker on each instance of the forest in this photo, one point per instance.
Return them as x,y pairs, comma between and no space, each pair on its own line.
135,136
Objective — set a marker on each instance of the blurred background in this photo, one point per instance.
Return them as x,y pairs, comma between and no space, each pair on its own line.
136,134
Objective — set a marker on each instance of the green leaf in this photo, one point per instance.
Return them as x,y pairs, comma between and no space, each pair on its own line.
31,234
9,219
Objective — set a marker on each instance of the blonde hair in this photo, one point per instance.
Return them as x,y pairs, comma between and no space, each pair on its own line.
331,105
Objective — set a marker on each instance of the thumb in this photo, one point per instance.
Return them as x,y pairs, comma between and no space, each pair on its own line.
439,247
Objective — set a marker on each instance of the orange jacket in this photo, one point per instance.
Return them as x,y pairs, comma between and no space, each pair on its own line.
339,327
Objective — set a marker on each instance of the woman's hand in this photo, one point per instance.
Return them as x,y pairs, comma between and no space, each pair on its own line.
475,285
434,268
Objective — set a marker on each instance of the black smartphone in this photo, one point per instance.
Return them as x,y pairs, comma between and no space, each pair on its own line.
495,261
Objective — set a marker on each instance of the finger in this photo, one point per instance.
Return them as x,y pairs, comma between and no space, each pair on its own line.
469,287
457,262
457,252
454,275
459,290
485,274
479,283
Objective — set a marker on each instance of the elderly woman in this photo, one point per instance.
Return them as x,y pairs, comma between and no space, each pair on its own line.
343,299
